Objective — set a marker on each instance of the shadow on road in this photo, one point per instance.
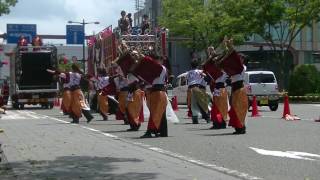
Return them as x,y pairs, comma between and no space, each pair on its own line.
75,167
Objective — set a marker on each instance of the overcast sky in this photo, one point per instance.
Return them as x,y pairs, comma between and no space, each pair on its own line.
51,16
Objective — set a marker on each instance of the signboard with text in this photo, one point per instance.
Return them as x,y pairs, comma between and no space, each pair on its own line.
75,34
14,31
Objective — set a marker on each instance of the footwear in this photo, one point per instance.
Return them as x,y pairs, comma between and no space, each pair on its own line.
1,130
132,129
105,118
75,121
146,135
240,130
89,119
195,120
223,125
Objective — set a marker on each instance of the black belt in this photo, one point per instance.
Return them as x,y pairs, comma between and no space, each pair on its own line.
158,87
196,85
75,87
236,85
219,85
124,89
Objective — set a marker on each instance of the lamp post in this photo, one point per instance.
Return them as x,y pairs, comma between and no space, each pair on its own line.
83,23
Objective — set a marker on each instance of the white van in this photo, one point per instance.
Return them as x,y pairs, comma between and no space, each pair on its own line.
181,87
262,84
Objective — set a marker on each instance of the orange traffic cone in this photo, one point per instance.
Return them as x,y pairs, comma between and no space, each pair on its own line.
286,108
175,103
255,111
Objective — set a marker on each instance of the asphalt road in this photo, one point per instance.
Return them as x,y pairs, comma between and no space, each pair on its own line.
272,148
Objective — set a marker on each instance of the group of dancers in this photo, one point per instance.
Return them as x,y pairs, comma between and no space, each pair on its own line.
214,72
134,77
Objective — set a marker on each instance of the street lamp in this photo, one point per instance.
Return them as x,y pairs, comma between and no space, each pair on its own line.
83,23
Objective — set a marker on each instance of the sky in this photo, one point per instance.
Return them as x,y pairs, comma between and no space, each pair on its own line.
51,16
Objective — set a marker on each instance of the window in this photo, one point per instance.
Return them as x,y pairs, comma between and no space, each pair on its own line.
183,81
261,78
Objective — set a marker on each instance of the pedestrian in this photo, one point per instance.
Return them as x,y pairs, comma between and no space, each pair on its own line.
78,102
66,96
102,81
199,99
232,64
219,109
156,96
134,103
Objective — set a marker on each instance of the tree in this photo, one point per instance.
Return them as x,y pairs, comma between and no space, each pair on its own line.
205,23
304,79
279,23
5,6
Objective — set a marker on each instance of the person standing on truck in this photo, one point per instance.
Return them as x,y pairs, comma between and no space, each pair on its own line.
78,102
199,99
37,42
124,23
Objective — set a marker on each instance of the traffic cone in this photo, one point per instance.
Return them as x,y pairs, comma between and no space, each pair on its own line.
175,103
286,108
255,111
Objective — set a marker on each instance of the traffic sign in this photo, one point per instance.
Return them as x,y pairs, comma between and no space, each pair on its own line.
75,34
14,31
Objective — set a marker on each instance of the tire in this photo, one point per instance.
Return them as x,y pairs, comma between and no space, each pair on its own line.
273,107
15,105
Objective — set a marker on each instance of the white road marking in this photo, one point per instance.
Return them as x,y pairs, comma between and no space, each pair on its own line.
317,105
20,115
224,170
287,154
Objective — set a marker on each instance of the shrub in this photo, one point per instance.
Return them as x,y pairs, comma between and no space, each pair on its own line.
304,79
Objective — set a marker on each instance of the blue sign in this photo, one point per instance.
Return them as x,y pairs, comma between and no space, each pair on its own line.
75,34
14,31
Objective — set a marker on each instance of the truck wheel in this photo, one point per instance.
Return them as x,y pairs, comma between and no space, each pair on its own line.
15,105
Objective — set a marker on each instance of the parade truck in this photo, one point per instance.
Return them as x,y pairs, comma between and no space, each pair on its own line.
31,84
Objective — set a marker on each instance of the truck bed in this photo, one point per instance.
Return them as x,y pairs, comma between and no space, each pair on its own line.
33,71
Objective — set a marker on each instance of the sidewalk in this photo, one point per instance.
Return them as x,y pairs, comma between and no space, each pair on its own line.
46,149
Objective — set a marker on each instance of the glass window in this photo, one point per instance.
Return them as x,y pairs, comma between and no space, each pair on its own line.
183,81
309,34
262,78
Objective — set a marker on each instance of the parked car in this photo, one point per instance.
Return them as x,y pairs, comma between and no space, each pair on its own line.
263,85
181,87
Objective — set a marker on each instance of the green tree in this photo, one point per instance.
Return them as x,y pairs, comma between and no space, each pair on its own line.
5,6
204,24
304,79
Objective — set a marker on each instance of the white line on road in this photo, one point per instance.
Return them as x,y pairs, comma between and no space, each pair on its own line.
224,170
287,154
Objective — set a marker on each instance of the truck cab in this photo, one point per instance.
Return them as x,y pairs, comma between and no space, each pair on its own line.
30,82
